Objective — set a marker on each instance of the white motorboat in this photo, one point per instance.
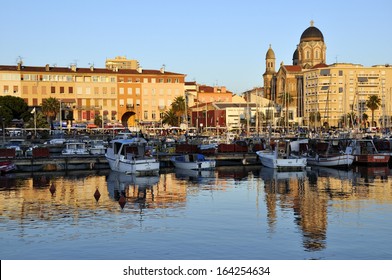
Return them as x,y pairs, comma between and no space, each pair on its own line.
75,148
131,156
193,162
97,147
280,157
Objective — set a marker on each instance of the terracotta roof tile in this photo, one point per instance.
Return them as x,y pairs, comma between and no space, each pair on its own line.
293,68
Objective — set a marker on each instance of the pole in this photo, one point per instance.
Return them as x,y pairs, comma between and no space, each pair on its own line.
60,120
3,120
247,118
3,129
35,123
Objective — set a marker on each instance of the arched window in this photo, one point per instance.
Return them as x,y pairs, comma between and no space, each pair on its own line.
307,55
317,54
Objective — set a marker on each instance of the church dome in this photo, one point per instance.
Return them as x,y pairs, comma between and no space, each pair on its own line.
312,33
295,55
270,53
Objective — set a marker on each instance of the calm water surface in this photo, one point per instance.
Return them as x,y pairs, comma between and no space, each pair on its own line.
230,213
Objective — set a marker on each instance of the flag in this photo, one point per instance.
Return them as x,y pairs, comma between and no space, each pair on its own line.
33,111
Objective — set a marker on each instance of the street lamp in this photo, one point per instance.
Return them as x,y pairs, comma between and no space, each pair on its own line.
60,120
35,121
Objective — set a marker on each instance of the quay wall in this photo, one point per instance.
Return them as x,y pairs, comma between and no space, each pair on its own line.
99,162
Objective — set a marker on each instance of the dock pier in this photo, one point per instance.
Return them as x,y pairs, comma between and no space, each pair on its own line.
99,162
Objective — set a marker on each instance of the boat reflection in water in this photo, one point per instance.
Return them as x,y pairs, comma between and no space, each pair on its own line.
196,176
267,174
135,189
369,174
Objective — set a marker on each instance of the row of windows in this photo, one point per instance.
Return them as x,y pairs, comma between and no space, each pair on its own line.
87,90
73,78
148,80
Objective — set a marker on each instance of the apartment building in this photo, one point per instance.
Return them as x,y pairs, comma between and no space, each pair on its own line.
136,96
344,88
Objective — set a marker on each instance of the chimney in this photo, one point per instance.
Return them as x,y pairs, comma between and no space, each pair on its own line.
162,69
139,69
92,68
73,67
47,68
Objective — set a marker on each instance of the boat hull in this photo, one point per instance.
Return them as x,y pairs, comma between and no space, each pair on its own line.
375,159
197,165
331,161
6,167
138,166
270,160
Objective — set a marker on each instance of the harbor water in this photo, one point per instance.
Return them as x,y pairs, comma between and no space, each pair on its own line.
232,213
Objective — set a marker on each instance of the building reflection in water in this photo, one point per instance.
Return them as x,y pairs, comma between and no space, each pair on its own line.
310,195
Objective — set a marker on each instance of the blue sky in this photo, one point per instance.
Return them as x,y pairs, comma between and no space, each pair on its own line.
213,42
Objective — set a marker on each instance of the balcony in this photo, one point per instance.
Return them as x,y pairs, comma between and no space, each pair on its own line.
130,106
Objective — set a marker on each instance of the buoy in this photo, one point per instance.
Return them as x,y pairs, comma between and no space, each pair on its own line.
122,202
52,189
97,194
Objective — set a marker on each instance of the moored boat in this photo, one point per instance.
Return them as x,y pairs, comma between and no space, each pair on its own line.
131,156
75,148
280,157
366,153
97,147
193,162
7,166
329,153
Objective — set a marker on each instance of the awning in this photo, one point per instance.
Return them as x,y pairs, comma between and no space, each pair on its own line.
68,100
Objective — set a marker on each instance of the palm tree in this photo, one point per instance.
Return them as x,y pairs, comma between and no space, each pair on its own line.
50,108
373,103
170,117
365,118
179,107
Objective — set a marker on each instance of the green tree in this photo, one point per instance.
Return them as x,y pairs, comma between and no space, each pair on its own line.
179,107
170,118
373,103
50,108
98,120
41,121
12,107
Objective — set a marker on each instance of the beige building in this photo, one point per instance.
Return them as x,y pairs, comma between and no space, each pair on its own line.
119,95
342,89
121,62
